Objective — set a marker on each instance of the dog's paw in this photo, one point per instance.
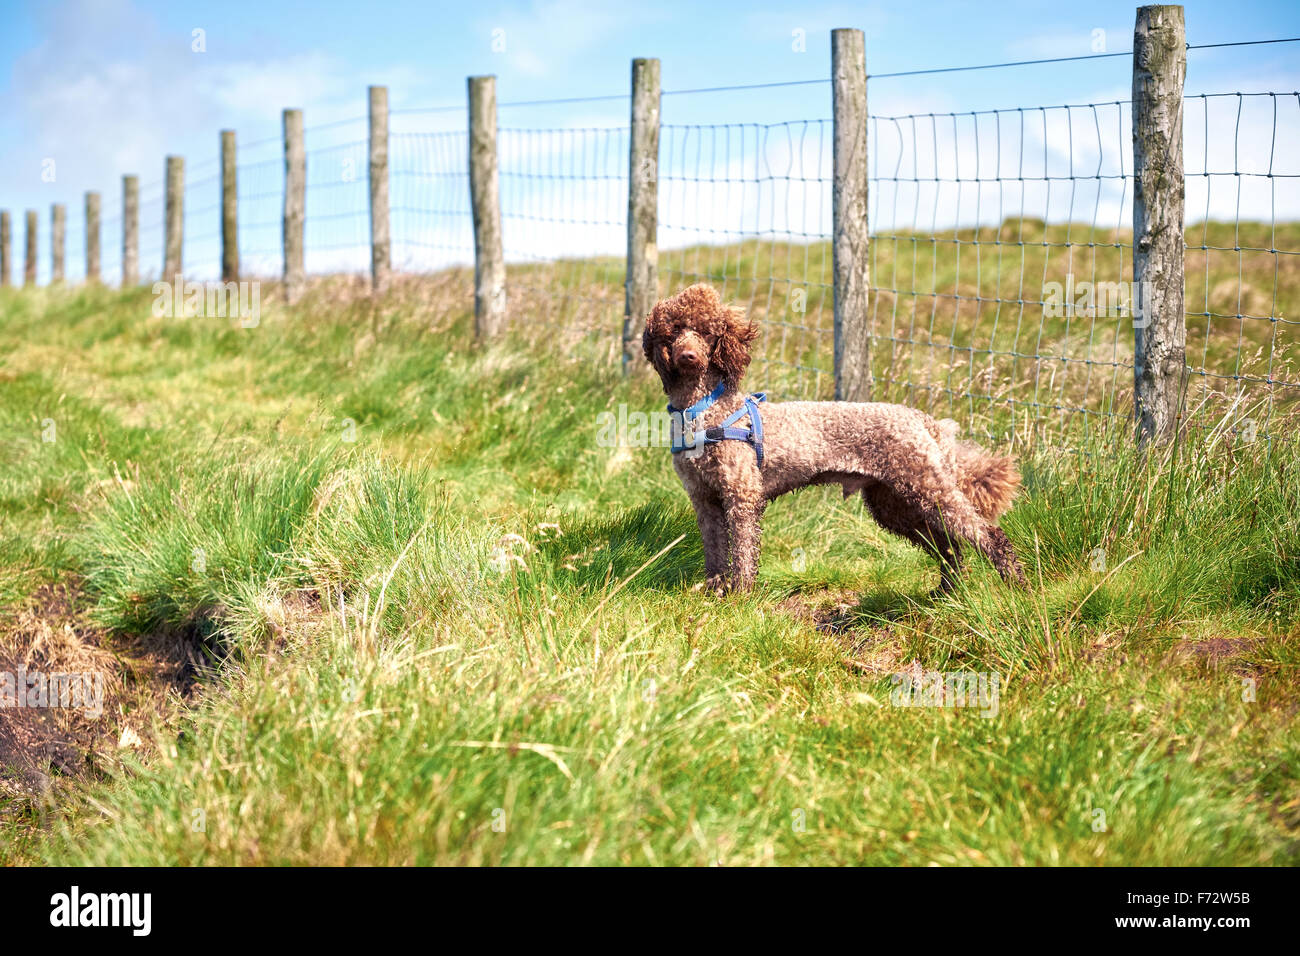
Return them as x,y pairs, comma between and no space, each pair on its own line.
716,584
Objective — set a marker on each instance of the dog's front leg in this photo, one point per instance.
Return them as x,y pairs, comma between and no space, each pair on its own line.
743,518
713,534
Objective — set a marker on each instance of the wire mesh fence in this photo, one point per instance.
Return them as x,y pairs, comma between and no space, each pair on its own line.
1000,260
151,235
260,176
979,218
1243,257
74,259
110,238
563,214
201,247
429,201
337,229
747,207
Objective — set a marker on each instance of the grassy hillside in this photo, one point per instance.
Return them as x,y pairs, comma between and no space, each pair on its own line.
369,594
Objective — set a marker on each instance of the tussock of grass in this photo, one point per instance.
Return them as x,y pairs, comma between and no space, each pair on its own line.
469,637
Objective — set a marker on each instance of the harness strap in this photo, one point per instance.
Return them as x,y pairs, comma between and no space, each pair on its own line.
727,430
756,421
703,405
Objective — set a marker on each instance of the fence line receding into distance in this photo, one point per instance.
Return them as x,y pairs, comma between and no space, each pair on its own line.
980,265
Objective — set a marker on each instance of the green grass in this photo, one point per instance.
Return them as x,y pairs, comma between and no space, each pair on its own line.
392,686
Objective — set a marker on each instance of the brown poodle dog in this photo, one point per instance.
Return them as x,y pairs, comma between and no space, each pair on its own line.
916,478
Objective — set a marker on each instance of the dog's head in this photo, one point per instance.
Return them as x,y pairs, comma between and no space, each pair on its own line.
692,332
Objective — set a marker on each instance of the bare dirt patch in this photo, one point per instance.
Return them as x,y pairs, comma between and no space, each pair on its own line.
1216,651
120,684
866,649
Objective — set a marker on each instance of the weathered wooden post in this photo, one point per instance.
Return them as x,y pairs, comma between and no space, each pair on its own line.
380,243
485,198
92,237
229,209
6,246
849,252
130,231
29,258
1159,325
641,285
58,238
174,220
295,204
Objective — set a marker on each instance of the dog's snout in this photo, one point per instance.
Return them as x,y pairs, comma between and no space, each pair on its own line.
689,353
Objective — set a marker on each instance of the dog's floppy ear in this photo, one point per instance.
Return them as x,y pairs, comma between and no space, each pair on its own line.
734,333
654,330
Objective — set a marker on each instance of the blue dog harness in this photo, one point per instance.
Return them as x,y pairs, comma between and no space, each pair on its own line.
727,431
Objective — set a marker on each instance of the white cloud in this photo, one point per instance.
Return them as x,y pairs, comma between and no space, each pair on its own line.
817,22
1096,38
108,92
551,34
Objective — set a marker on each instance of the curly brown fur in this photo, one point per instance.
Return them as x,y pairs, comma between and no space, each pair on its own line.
916,478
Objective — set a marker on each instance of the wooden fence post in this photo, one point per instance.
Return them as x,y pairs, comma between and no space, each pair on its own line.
641,285
485,198
229,209
174,220
29,259
295,204
6,246
1159,325
92,237
130,231
58,238
380,243
849,250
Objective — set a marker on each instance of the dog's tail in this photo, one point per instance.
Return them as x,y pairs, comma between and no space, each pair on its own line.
991,482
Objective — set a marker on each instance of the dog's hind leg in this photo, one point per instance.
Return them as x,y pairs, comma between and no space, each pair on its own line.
949,552
945,507
1004,557
895,513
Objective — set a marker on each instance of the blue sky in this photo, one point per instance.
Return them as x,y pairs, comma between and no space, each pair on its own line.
110,87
